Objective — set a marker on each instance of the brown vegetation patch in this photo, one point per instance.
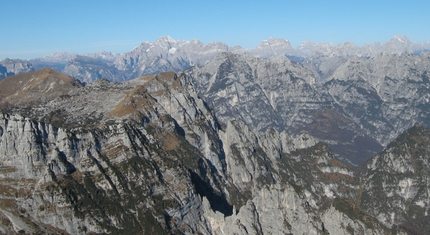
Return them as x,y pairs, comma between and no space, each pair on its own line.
41,85
8,204
115,149
335,163
169,141
327,119
7,169
167,76
339,177
169,79
136,100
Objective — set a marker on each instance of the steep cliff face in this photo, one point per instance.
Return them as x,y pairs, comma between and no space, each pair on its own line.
10,67
385,95
282,94
127,169
148,156
126,179
86,181
394,184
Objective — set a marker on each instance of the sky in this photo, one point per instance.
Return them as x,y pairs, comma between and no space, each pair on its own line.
31,29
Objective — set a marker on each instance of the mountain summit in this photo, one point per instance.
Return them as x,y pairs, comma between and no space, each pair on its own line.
168,54
31,88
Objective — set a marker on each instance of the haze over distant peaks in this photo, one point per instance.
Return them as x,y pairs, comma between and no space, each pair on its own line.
168,54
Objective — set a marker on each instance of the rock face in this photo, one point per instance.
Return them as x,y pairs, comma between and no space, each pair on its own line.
272,93
167,54
87,69
394,184
347,96
148,156
10,67
365,105
385,95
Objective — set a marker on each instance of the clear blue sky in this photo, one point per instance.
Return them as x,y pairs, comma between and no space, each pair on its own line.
31,28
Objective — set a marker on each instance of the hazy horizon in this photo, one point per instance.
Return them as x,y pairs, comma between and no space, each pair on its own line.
38,28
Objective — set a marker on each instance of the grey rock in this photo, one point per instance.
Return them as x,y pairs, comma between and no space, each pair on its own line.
395,185
385,95
11,67
281,94
88,69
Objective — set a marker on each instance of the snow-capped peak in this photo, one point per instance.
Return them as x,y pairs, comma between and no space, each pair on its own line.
402,39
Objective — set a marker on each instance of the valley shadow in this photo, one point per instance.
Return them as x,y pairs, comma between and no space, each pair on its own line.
217,202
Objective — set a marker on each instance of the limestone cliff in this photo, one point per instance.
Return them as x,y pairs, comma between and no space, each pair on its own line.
148,156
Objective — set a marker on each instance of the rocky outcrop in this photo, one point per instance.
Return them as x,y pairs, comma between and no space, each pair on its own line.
118,181
394,185
148,156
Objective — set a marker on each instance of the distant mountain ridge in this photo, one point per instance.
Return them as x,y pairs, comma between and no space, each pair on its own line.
167,54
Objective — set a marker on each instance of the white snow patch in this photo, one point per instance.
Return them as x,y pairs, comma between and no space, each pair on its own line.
172,50
147,50
336,170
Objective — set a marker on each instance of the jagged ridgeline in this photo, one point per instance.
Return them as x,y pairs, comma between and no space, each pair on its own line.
167,54
365,105
356,99
149,156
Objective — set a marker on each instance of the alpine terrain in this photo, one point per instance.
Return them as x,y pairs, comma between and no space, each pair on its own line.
179,137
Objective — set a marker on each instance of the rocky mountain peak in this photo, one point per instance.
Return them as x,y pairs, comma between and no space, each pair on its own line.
103,55
165,39
277,43
398,45
400,39
58,57
165,42
271,47
43,84
168,54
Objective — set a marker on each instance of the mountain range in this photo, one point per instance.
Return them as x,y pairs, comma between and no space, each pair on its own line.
319,139
150,156
167,54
